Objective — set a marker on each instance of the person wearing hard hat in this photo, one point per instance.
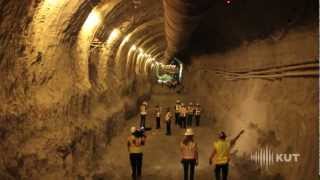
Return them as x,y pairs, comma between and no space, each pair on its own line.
158,116
189,153
168,118
197,114
183,116
143,114
135,143
190,114
220,155
177,112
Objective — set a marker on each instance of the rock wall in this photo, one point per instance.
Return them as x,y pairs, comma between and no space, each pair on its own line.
63,100
280,113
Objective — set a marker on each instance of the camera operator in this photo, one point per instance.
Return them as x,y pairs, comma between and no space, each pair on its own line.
136,141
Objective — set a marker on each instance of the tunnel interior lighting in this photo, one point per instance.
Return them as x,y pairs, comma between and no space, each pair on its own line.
92,21
52,3
228,1
126,39
114,35
134,47
141,50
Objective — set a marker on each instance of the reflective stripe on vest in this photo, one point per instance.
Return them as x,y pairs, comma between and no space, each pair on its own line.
143,110
198,111
135,145
222,152
183,112
168,116
188,151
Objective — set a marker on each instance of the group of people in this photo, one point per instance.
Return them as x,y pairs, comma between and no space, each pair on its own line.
184,115
188,147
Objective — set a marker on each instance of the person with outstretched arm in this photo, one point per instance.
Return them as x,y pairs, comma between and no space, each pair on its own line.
220,155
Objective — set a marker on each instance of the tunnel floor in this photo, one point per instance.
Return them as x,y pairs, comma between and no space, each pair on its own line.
161,154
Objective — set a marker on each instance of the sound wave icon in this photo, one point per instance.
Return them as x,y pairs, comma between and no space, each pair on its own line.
263,157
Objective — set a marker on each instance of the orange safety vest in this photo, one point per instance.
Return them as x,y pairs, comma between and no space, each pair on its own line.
183,112
188,151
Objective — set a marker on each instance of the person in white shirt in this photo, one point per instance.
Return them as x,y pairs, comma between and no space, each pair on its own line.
143,114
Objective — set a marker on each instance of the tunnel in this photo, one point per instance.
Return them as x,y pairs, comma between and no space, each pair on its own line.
73,74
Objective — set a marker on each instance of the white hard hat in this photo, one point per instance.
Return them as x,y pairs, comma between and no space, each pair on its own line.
189,132
133,129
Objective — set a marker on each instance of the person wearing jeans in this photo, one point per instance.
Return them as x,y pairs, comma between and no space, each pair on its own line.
136,165
189,152
221,170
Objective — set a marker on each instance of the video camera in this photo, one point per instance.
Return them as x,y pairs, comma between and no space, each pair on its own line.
139,133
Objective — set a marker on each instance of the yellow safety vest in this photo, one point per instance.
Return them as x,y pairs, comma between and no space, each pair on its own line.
177,108
222,149
190,110
135,144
